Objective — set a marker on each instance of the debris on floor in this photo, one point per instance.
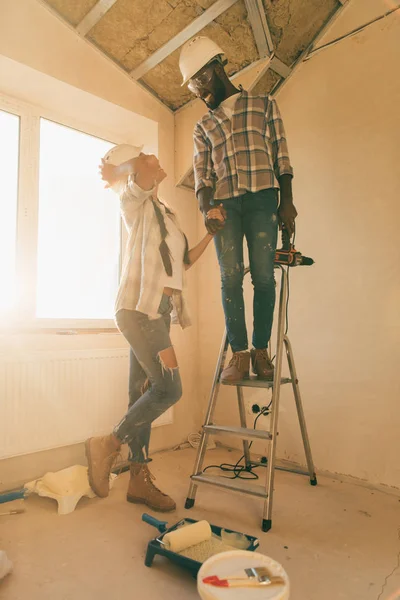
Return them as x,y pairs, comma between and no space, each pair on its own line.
67,487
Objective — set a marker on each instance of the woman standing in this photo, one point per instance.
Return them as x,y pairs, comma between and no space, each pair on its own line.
152,287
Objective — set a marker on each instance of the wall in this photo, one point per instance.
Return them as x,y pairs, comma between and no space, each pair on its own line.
35,39
341,115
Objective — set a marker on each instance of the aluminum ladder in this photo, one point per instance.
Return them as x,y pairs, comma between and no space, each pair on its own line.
246,434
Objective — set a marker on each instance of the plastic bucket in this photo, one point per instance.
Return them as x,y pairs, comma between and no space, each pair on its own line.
232,564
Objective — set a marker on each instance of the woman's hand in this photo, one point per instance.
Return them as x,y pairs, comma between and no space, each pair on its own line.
215,219
109,173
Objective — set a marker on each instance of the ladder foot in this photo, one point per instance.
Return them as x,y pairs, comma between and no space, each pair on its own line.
189,503
266,524
313,480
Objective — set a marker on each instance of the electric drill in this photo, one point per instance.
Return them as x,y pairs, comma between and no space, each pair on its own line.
288,255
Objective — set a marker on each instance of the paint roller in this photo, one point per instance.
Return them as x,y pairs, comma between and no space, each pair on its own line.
185,537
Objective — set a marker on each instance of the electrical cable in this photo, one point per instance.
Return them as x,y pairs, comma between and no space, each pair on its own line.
288,285
241,471
349,34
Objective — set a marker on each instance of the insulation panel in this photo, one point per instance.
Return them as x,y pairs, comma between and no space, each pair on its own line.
294,24
132,30
72,11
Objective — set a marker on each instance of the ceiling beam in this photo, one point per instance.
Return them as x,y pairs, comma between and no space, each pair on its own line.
280,67
259,25
94,15
214,11
324,29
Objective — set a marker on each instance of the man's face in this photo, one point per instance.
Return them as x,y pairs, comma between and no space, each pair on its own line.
207,85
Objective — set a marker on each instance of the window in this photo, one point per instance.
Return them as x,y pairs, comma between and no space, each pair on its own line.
78,228
60,230
9,158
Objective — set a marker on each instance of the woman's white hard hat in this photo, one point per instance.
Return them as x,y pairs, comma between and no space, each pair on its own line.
121,153
195,54
118,155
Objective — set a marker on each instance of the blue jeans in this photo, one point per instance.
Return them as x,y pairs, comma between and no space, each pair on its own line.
254,216
147,338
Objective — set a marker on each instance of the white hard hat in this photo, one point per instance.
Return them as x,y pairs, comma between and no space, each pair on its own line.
118,155
121,153
196,53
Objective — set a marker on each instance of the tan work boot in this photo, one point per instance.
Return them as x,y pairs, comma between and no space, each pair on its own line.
238,368
262,364
142,490
101,453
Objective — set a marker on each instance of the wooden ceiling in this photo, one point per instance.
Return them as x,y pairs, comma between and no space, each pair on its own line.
144,37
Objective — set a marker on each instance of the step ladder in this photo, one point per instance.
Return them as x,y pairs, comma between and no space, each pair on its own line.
247,435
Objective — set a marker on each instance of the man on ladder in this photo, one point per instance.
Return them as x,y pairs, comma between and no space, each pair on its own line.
241,161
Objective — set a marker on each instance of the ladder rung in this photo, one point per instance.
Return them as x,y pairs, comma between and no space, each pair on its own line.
255,382
236,485
242,432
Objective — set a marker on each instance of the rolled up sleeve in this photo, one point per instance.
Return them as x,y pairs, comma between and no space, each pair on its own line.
280,152
202,161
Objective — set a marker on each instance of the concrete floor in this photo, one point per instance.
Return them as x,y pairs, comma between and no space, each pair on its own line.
336,541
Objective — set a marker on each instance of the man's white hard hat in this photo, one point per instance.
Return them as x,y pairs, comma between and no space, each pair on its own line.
121,153
195,54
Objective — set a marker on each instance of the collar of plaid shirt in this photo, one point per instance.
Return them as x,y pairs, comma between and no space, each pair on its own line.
247,153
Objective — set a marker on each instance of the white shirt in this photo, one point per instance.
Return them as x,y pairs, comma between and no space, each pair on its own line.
143,276
228,105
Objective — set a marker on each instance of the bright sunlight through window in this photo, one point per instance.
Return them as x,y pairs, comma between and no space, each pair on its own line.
79,228
9,156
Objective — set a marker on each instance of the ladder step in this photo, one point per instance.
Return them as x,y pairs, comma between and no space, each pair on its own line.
255,382
236,485
242,432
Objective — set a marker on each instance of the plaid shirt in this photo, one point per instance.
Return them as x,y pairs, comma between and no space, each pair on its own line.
246,154
143,275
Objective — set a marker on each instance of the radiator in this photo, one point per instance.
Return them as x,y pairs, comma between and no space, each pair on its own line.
52,399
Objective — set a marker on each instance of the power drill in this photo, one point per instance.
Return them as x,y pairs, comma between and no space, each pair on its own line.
288,255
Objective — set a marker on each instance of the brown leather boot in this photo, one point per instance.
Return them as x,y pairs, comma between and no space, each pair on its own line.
238,368
142,490
101,453
262,364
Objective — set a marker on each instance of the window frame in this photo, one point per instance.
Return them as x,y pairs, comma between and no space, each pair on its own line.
22,317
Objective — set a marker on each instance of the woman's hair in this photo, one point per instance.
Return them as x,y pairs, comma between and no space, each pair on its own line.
164,249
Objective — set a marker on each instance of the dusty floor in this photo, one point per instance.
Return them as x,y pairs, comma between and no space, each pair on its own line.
336,541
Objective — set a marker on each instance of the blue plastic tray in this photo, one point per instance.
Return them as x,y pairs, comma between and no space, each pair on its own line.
155,546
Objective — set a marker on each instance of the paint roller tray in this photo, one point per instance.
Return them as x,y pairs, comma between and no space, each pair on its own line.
156,546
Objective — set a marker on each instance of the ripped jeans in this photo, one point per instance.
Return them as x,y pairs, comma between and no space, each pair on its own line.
147,338
254,216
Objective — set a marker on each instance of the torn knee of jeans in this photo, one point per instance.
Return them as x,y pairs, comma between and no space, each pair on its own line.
168,359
